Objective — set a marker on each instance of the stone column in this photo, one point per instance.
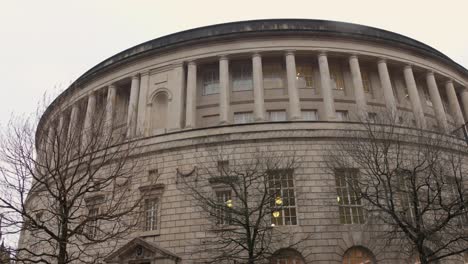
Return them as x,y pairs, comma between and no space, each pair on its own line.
358,87
142,104
436,101
73,122
110,105
133,106
88,122
224,91
464,98
453,103
293,93
257,74
327,93
191,101
387,87
414,97
176,105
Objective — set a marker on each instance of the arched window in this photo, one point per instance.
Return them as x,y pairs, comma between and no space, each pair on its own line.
358,255
287,256
159,112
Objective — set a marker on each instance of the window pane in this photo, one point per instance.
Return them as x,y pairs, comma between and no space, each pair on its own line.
350,207
280,185
304,76
243,117
310,115
276,116
210,81
242,76
342,115
273,75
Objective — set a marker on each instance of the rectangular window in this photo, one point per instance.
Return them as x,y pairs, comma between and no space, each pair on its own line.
273,75
224,200
210,81
281,188
304,76
277,115
243,117
309,115
342,115
92,227
372,117
223,167
350,207
151,214
366,84
336,76
406,196
242,76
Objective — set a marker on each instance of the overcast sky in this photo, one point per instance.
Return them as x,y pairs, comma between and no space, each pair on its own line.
45,45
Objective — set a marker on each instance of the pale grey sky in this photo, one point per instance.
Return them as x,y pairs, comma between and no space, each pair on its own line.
45,45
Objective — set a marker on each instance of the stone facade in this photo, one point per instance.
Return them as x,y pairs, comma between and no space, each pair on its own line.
282,86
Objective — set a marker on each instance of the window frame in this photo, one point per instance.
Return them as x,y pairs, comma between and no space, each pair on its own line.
241,79
277,111
285,194
346,193
223,216
248,117
212,82
303,111
155,216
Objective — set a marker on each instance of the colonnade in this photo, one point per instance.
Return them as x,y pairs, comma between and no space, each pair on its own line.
140,82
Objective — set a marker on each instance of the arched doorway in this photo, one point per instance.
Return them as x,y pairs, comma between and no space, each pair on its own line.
287,256
358,255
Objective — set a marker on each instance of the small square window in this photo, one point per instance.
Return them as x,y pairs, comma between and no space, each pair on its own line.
342,115
243,118
309,115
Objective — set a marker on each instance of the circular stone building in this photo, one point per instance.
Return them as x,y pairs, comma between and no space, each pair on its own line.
281,83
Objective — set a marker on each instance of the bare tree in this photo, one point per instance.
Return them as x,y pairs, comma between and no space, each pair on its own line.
65,187
410,180
246,200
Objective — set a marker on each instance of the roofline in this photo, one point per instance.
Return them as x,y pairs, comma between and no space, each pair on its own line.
246,28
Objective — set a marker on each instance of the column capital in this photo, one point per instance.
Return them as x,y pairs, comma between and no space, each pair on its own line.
429,73
408,66
192,63
322,53
136,76
111,86
256,54
449,81
223,57
289,52
353,56
381,60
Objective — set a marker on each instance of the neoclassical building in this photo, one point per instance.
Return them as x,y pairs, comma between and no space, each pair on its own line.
250,84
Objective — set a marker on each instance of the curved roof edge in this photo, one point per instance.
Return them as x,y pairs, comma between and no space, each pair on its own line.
257,28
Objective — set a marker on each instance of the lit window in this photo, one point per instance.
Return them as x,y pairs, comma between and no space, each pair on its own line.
366,84
92,227
309,115
151,214
210,81
243,118
224,200
342,115
351,211
281,187
273,75
336,76
242,76
277,115
304,76
358,255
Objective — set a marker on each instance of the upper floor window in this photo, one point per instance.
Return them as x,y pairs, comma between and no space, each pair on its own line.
349,202
305,76
366,83
358,255
210,80
309,115
281,187
243,117
336,76
277,115
242,76
287,256
342,115
151,214
273,75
